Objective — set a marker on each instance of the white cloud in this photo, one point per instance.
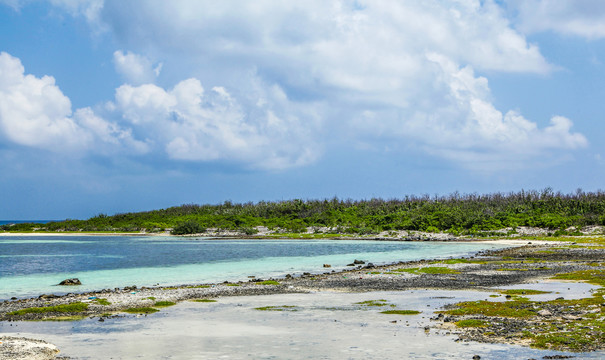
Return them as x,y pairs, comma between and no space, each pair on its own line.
467,128
300,74
34,112
136,69
584,18
195,125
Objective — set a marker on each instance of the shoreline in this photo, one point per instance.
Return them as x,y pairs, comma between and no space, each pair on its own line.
484,271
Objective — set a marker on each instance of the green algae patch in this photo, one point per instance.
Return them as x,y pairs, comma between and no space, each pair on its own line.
595,277
141,310
277,308
429,270
103,302
268,282
380,302
512,269
523,292
66,318
66,308
230,284
458,261
471,323
204,300
401,312
515,309
164,303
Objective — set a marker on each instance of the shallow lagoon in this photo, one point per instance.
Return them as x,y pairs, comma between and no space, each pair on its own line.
33,265
326,325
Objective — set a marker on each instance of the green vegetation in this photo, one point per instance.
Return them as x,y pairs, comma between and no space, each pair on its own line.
102,302
596,277
458,214
429,270
188,227
268,282
401,312
164,303
141,310
204,300
277,308
523,292
67,308
471,323
380,302
515,308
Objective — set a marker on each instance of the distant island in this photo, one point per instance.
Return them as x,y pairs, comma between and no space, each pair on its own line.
455,214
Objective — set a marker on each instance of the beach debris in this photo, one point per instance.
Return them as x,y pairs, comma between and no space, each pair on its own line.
71,282
92,298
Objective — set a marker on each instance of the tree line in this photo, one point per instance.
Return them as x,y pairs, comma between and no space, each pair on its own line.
455,213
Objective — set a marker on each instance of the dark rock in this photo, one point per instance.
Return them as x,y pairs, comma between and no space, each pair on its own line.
476,357
358,262
48,296
70,282
350,264
327,265
370,266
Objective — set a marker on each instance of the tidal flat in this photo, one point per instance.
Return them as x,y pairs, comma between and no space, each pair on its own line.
556,287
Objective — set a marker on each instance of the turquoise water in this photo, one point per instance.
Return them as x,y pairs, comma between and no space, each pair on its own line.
33,265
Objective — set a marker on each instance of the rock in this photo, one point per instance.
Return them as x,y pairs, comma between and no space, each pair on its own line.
48,296
71,282
350,264
370,266
544,312
476,357
358,262
23,348
327,265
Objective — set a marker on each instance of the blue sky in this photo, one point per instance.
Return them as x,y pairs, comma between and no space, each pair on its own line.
109,106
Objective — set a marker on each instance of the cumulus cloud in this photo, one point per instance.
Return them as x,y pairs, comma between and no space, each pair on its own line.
285,77
193,124
466,127
34,112
584,18
136,69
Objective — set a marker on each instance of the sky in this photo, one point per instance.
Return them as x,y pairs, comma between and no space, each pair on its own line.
109,106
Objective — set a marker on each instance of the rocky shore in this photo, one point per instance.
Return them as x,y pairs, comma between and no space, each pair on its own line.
485,271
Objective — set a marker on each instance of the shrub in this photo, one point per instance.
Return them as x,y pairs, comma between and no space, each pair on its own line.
188,227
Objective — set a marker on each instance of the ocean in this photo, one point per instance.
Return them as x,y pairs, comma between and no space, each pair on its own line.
5,222
33,265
